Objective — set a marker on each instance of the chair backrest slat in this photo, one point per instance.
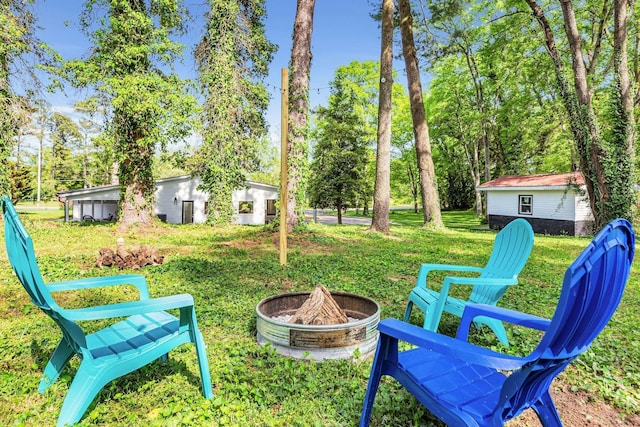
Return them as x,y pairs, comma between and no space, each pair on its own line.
22,256
23,260
511,250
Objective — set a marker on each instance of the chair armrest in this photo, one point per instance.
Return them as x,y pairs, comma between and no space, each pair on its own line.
136,280
425,269
482,281
447,346
471,311
129,308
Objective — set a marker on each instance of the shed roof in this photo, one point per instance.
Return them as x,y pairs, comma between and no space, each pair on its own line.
70,194
541,181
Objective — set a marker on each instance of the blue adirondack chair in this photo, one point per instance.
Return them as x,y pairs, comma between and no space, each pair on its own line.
466,385
511,250
147,333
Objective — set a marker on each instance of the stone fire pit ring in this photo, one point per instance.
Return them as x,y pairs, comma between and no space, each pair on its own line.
319,342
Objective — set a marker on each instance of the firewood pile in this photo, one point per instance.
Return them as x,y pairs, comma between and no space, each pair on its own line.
319,309
135,259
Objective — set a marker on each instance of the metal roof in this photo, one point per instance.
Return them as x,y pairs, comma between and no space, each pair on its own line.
541,181
106,188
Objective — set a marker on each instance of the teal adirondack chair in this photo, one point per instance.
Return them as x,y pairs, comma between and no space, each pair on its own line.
148,332
511,251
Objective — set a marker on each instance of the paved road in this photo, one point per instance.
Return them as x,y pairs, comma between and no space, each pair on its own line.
323,218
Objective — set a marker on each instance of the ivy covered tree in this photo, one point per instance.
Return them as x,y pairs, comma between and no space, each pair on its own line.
297,144
147,106
340,155
232,60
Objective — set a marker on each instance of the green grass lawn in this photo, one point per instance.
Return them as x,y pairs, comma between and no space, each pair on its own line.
229,270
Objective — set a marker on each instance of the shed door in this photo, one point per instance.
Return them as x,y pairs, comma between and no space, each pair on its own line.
187,212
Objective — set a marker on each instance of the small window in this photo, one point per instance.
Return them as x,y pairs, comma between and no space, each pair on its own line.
245,207
525,206
206,208
271,207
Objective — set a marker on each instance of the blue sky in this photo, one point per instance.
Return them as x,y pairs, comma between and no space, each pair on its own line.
343,31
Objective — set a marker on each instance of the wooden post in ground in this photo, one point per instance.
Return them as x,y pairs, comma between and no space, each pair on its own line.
284,134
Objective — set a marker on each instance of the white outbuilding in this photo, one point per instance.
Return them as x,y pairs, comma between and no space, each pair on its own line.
178,201
552,203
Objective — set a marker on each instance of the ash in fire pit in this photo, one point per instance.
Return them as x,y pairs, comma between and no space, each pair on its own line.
277,319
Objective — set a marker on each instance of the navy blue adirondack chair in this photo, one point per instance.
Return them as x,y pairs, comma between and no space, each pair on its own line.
511,250
147,333
465,385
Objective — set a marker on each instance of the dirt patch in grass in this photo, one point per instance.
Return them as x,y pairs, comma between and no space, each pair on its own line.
579,409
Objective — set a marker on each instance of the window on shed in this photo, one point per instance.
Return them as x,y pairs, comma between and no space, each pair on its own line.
271,207
525,205
245,207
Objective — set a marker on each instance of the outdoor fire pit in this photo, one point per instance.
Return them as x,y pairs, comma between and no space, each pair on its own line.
335,341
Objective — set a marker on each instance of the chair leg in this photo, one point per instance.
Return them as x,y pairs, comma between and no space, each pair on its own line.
547,412
88,381
374,380
203,362
59,359
496,326
432,319
407,312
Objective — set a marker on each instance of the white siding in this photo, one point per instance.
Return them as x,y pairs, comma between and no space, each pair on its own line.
550,204
259,196
583,209
172,193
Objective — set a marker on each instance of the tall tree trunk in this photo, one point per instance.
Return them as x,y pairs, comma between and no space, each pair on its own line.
624,145
382,193
298,111
414,187
137,186
430,199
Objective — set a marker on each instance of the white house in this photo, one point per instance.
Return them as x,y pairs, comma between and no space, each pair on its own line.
552,203
178,201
